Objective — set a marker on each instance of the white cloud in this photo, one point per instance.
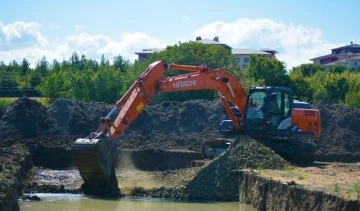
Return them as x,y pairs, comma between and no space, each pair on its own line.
54,26
296,44
92,46
184,18
79,27
20,35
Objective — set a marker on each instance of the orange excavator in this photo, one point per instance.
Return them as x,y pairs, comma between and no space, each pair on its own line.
264,113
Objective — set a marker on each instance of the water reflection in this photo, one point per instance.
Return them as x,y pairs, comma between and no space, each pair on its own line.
69,202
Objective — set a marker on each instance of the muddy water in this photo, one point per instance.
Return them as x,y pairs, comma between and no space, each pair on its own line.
68,202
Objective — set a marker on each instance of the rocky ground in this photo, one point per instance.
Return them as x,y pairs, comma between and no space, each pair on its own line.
48,132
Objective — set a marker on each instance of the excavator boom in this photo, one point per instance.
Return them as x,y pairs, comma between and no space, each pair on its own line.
94,155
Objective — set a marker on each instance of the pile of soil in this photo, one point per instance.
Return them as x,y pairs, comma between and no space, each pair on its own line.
49,132
339,139
26,119
218,180
169,125
174,125
15,162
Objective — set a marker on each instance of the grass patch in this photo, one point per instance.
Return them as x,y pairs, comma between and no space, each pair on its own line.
6,101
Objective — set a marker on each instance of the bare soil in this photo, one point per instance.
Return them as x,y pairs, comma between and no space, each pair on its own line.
341,179
49,132
339,139
14,164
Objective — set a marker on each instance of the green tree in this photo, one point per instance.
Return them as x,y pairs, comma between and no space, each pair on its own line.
25,67
352,97
269,71
42,66
121,64
54,86
308,69
301,85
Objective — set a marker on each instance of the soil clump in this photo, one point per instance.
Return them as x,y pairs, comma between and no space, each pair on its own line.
15,162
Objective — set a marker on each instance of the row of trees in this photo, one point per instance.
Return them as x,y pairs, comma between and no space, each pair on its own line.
17,79
86,79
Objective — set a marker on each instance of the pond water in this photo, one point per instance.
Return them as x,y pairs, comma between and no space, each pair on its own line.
68,202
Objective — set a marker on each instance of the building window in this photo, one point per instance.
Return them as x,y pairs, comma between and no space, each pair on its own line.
238,60
246,60
355,63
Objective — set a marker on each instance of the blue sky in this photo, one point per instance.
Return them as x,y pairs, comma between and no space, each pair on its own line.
299,30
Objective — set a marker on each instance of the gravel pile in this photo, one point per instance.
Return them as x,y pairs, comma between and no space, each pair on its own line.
218,180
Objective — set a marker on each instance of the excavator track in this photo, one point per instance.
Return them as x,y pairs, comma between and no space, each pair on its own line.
294,151
94,158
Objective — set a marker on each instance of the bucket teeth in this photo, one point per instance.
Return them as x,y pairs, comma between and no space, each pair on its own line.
94,159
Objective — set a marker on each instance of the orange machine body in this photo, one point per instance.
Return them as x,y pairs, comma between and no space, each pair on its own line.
308,120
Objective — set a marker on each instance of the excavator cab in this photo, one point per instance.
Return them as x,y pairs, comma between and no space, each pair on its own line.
268,111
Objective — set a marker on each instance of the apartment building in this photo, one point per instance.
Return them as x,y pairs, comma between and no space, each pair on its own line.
242,55
348,55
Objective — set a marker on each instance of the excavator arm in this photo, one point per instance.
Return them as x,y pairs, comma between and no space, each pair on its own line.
153,81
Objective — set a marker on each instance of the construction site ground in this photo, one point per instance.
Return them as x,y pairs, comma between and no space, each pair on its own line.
342,179
165,138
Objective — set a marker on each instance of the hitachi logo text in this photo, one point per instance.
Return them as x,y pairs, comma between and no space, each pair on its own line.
184,84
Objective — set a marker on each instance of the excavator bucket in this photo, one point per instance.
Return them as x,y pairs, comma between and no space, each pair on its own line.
94,158
216,146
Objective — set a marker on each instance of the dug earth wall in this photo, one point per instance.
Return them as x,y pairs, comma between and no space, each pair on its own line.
268,194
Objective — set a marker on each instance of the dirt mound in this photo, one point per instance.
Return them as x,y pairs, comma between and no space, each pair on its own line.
76,117
339,139
169,125
218,180
173,125
26,118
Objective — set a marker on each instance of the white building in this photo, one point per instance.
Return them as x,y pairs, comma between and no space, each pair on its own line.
352,63
242,55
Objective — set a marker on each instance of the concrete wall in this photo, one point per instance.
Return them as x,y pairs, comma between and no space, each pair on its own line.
354,64
242,60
